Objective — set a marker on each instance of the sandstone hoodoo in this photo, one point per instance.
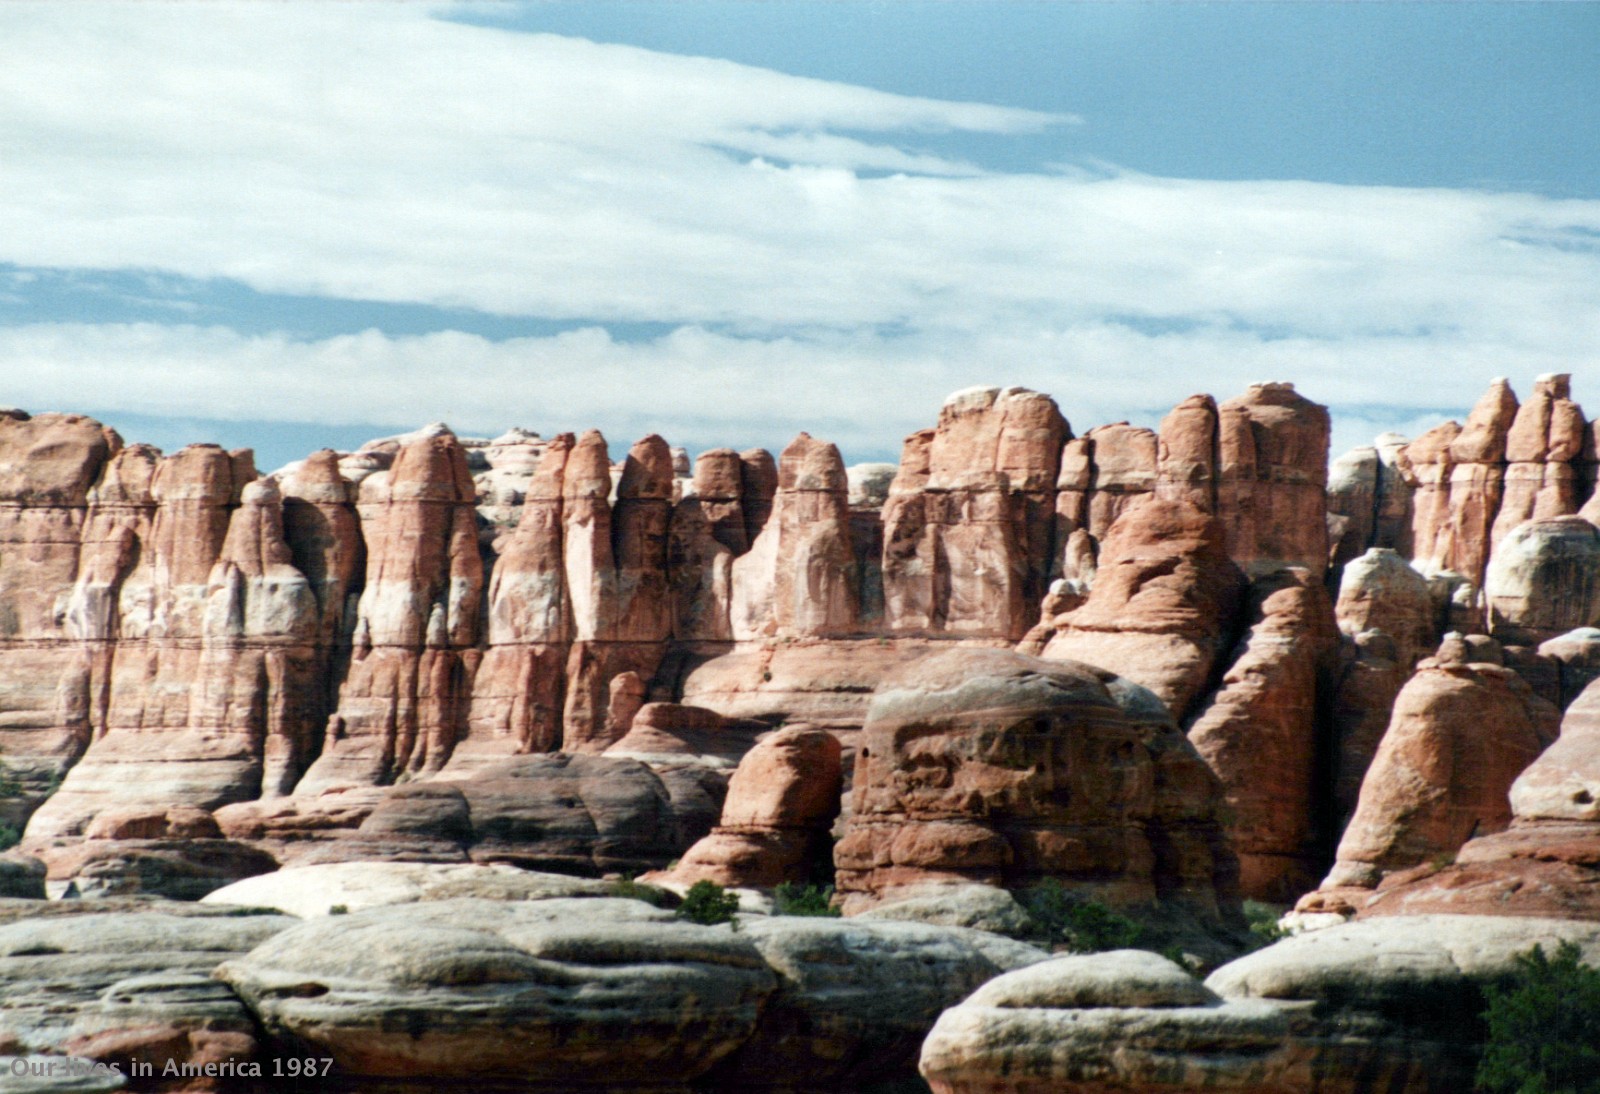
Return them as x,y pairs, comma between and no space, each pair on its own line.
1165,668
993,767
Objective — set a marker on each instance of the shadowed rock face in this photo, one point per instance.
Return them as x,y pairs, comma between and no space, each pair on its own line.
1259,732
993,767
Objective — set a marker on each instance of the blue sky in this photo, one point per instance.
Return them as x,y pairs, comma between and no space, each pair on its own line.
285,226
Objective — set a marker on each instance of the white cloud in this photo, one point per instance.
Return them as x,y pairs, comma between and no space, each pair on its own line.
704,389
371,151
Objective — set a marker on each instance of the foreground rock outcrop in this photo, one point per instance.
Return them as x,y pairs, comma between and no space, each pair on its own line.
774,827
609,994
126,984
1387,1006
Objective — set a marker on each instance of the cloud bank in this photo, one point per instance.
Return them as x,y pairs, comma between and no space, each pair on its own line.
819,266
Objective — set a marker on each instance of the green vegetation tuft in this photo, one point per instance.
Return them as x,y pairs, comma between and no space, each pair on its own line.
1082,926
1263,922
708,904
10,785
1544,1027
9,837
339,909
630,889
792,898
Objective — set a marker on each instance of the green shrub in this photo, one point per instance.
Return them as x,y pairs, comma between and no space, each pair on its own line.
1263,921
339,909
792,898
1082,926
9,837
708,904
630,889
10,785
1544,1027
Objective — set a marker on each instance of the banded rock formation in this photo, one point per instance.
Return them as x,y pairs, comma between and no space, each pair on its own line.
992,767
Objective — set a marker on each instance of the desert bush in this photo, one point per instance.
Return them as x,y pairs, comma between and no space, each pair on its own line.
1263,922
629,889
1543,1027
792,898
708,904
1082,926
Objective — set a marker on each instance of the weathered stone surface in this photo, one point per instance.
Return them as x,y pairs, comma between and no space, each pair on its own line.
1463,730
1431,464
1259,732
399,706
1361,1008
781,801
213,692
1125,1020
1352,503
855,999
1163,605
568,813
1544,440
616,579
825,684
549,993
1186,454
307,891
993,767
1273,468
1547,863
1371,675
1424,960
1577,658
1544,580
1370,499
671,734
1117,978
518,690
48,465
956,904
1123,469
120,986
799,577
177,868
968,525
1380,591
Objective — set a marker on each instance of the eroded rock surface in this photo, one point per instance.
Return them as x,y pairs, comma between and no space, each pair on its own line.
997,768
1463,730
1363,1008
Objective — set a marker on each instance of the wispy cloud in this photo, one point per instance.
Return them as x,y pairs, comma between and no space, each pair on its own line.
824,268
700,388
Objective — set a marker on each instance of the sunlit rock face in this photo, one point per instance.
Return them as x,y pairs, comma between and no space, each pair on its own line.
1546,863
181,631
1464,728
992,767
1165,600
